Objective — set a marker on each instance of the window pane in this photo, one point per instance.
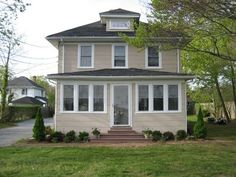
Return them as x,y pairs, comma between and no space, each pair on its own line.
83,97
143,97
86,56
120,24
98,98
158,98
173,97
119,56
153,56
68,101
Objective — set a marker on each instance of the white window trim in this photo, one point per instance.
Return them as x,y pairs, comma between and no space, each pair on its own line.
113,55
75,99
146,60
165,94
119,28
79,58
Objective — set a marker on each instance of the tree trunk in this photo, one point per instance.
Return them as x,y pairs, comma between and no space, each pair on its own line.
233,86
4,88
221,99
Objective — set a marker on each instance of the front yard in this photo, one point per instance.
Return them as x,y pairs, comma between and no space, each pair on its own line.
191,158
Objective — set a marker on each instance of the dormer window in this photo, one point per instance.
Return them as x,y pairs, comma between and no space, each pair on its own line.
122,24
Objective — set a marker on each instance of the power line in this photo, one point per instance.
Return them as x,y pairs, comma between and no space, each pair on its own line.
36,58
33,45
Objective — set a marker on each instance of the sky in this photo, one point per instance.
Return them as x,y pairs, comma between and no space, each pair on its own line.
36,56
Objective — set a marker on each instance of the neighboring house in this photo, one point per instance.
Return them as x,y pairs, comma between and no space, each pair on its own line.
26,91
103,82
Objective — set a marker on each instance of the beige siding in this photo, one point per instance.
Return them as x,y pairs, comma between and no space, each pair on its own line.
103,58
140,121
60,58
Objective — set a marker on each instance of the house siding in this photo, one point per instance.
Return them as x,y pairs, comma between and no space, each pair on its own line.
140,121
103,58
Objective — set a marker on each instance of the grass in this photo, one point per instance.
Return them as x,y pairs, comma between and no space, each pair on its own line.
8,124
179,159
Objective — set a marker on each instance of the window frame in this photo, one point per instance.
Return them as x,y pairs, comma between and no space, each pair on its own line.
79,55
113,55
159,57
76,97
165,97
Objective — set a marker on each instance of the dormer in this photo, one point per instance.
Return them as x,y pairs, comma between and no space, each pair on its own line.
119,20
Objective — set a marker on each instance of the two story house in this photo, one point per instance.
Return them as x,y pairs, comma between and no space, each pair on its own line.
26,91
103,82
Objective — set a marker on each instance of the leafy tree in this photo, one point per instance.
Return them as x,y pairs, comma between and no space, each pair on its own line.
200,130
9,10
39,128
205,30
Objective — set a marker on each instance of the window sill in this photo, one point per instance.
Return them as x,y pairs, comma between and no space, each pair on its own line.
153,67
85,67
82,112
157,112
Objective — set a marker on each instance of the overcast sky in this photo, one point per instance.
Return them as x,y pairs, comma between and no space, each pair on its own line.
44,17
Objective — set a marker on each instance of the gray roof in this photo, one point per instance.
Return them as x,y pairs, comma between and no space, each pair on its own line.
92,30
120,12
27,100
120,72
23,82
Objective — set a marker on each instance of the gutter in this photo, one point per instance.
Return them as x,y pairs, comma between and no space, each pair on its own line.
170,77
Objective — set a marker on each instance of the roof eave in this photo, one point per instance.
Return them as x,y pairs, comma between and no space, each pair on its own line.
170,77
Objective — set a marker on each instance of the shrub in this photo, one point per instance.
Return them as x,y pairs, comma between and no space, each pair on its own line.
205,113
221,121
147,133
96,132
181,135
211,120
70,136
39,128
167,136
156,135
22,112
83,136
57,136
199,129
48,130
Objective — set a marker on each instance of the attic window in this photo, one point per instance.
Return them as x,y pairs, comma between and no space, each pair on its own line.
119,24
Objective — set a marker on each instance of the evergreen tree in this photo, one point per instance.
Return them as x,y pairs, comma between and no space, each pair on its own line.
200,130
39,128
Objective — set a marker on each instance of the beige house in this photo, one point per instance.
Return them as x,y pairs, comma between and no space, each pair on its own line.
102,82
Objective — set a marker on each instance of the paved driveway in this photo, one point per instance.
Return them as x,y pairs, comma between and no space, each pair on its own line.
9,136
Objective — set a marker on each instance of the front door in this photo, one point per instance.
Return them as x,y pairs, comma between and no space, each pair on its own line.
121,105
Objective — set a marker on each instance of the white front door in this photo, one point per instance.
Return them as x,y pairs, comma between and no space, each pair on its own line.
121,105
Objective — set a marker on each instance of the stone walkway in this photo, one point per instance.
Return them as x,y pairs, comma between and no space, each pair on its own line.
11,135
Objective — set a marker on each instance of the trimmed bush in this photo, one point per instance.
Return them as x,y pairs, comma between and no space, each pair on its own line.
48,130
167,136
200,130
181,135
147,133
211,120
70,137
84,136
39,128
156,135
205,113
57,136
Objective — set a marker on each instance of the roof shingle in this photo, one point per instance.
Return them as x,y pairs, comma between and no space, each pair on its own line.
23,81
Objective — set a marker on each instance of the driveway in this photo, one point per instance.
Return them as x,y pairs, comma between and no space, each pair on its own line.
9,136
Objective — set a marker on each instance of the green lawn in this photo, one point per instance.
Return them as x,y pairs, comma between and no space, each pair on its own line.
179,159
